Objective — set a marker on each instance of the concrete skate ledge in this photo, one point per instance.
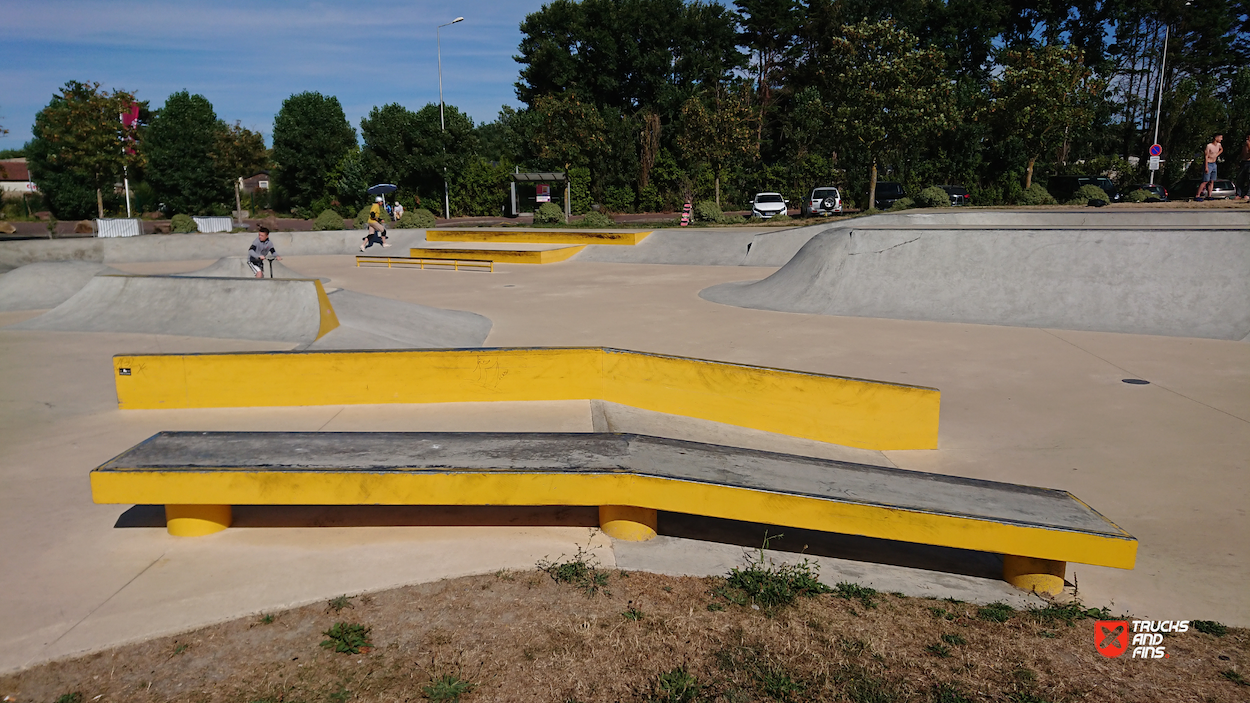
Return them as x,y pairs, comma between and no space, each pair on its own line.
541,236
834,409
199,475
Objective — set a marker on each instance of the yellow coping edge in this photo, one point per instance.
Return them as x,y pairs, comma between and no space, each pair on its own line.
329,320
535,237
834,409
501,256
251,487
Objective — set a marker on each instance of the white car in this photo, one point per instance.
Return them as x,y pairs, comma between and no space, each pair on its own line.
768,205
822,201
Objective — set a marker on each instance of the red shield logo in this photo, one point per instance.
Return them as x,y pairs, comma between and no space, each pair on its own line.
1111,637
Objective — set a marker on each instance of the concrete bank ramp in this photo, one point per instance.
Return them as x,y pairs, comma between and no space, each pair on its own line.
709,247
276,310
236,267
1172,282
43,286
370,322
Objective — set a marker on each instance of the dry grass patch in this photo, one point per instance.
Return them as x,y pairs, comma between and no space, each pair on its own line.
630,636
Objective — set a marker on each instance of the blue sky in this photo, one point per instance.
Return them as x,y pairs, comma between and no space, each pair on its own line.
247,57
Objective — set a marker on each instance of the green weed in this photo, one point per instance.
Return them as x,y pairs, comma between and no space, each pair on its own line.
861,686
954,639
1210,627
268,618
347,638
996,612
74,697
447,688
582,572
675,686
338,603
769,585
938,649
853,591
1067,613
1234,677
633,614
777,683
714,606
341,696
941,613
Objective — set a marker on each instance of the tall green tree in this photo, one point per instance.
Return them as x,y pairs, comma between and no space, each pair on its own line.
79,149
181,143
311,136
414,151
1041,95
719,131
890,92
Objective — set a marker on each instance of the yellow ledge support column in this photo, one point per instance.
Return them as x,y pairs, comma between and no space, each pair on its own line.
1042,576
197,520
627,523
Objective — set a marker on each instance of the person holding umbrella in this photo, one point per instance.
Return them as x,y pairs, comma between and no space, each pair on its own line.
377,225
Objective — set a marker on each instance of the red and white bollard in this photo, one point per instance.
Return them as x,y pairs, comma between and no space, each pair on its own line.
685,215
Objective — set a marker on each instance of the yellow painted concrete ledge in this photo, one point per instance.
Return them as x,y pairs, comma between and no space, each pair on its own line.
499,256
519,236
848,411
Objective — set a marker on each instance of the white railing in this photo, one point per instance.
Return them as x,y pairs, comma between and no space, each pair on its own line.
214,224
123,227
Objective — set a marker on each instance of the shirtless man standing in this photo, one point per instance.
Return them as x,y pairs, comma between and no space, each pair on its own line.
1214,149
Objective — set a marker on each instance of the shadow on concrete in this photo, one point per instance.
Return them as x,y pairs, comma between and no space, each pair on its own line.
383,516
833,545
745,534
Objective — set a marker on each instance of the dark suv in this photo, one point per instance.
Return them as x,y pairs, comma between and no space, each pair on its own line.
958,194
887,194
1063,188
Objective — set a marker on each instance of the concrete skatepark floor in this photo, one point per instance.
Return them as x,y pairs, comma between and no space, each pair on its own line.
1166,461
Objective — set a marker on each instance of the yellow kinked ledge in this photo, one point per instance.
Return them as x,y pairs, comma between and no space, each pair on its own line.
839,410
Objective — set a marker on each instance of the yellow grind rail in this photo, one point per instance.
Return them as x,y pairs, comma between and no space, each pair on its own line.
514,236
839,410
499,256
421,262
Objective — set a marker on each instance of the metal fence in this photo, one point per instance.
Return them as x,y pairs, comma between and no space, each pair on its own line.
121,227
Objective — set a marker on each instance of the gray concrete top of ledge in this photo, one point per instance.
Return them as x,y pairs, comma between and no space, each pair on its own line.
599,453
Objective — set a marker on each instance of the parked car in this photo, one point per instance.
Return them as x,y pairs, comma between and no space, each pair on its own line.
1188,188
1156,190
826,200
959,194
887,194
766,205
1064,187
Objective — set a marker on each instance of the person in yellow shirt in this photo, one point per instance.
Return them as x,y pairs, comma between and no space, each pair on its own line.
377,226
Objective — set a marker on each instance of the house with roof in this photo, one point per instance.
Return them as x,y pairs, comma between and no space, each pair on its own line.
15,178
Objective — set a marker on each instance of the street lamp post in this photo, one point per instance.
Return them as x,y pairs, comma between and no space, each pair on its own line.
442,122
1163,61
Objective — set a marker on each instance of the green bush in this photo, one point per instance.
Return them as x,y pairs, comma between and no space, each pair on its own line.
933,197
1086,193
1140,195
1036,195
328,220
783,217
362,218
183,224
618,198
731,220
903,204
597,220
416,219
707,211
548,214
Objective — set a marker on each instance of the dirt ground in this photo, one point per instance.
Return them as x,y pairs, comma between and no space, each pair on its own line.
599,636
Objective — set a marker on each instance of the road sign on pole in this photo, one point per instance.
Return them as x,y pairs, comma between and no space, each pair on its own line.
1156,150
1154,163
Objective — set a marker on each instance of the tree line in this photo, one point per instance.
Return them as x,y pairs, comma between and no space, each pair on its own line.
648,104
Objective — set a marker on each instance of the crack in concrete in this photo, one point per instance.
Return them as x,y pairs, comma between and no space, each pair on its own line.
106,600
882,251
